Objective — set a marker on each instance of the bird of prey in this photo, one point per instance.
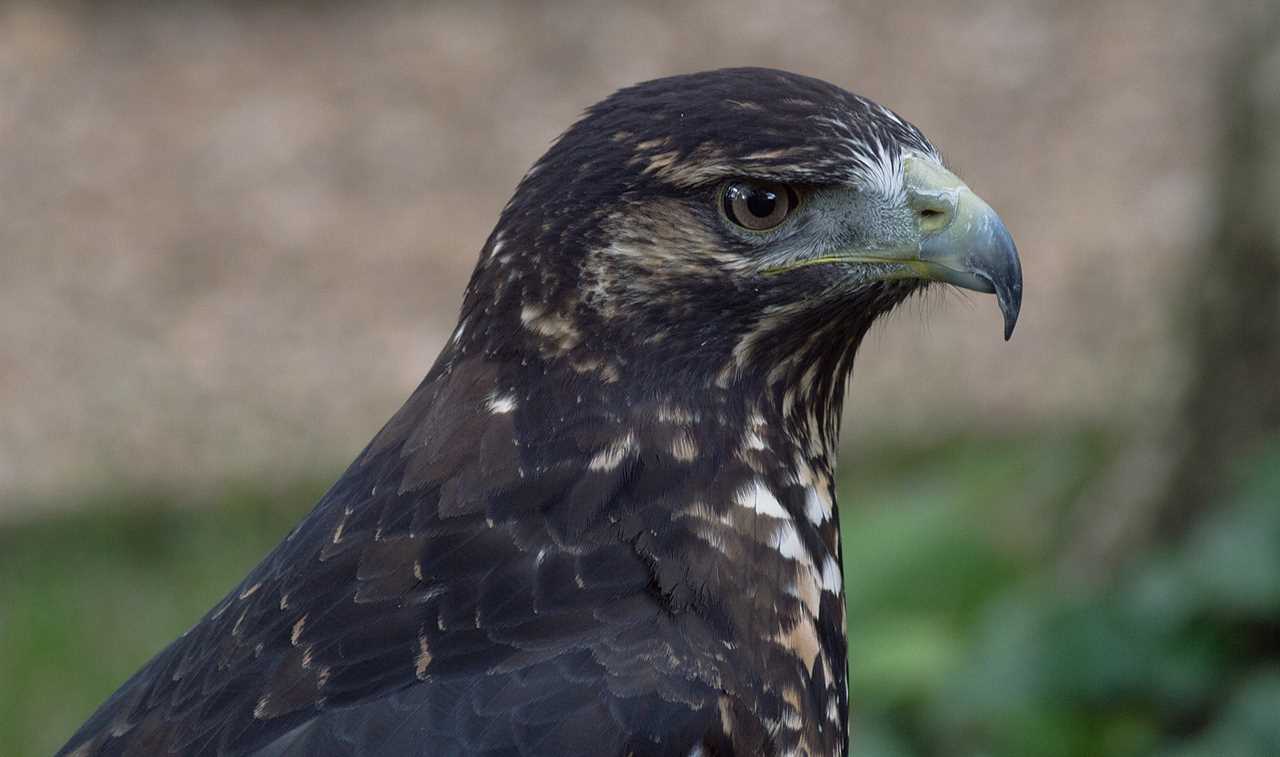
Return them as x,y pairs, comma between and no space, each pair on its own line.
605,522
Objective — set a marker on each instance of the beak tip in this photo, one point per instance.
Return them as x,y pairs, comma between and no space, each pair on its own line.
1008,291
1010,306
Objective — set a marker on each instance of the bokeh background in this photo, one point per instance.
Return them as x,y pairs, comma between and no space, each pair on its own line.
234,236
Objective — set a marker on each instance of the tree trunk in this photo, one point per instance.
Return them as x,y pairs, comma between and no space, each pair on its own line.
1232,316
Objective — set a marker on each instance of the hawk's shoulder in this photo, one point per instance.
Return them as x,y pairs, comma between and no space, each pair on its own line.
466,587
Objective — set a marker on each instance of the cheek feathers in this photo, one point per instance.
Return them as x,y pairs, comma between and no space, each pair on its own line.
662,249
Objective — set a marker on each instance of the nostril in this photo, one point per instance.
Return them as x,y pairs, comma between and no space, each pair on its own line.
932,211
932,218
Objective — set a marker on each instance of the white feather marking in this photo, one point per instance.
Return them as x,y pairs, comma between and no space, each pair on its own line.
612,456
296,633
758,497
457,334
832,581
500,404
788,543
816,507
531,312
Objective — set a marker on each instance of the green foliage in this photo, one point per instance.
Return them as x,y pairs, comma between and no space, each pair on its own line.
963,639
86,598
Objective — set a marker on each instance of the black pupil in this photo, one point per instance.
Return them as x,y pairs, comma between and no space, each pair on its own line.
761,203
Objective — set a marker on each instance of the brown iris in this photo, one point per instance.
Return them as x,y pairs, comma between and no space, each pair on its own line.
758,206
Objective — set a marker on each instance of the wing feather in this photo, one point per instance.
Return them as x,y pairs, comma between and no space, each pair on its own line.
438,600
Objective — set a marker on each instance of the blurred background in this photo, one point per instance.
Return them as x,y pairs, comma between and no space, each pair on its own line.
233,238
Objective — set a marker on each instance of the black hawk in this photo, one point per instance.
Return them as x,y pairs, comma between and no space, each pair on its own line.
605,523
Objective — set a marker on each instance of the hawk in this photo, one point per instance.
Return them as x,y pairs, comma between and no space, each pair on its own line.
605,522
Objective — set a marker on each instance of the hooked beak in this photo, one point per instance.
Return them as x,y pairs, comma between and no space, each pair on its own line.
969,246
960,240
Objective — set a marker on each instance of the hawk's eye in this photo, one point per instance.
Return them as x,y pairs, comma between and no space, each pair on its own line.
758,206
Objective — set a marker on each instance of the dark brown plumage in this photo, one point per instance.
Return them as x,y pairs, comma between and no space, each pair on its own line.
604,523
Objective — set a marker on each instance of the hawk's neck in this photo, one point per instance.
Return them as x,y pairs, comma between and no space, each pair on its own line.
721,481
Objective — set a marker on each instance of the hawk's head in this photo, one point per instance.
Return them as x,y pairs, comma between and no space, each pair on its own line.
742,222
